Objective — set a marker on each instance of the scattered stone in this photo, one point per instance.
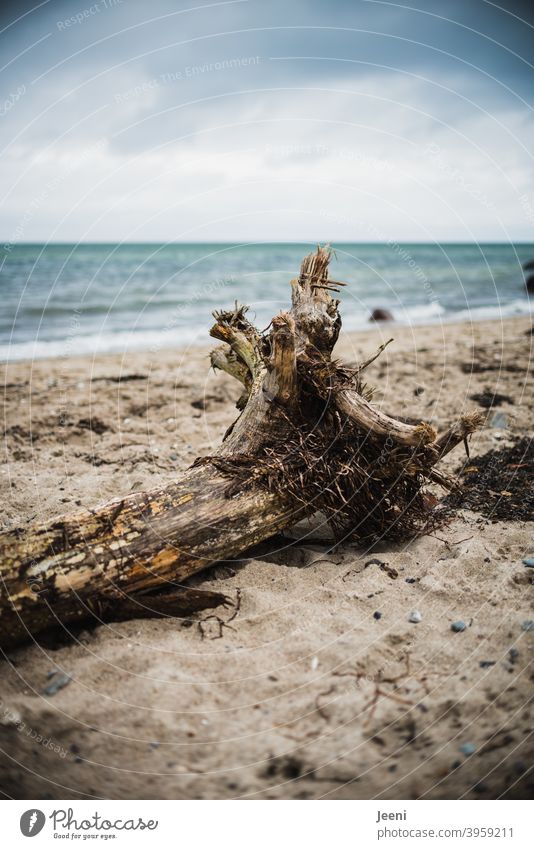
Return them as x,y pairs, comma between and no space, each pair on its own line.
377,614
381,315
199,405
486,664
529,561
468,749
57,682
513,654
527,625
411,580
499,420
458,626
390,571
415,616
418,391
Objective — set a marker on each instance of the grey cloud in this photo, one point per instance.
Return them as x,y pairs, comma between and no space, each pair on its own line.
367,77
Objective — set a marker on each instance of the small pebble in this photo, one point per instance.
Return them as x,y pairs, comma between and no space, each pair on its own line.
458,626
377,614
499,420
513,654
485,664
415,616
57,682
314,663
527,625
410,580
468,749
529,561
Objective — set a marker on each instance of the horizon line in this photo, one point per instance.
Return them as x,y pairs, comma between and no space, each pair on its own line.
241,243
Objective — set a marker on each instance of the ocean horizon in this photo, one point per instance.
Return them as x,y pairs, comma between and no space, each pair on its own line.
67,299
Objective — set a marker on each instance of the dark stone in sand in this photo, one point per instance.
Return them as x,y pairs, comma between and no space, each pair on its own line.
59,680
529,284
382,315
377,614
486,664
529,561
458,626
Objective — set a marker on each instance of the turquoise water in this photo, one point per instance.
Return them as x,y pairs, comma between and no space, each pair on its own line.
65,300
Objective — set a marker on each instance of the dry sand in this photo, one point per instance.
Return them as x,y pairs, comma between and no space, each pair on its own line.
304,693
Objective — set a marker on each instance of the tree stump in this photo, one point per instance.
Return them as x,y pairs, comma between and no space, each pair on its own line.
307,439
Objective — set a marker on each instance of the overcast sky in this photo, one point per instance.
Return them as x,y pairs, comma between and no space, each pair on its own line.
152,120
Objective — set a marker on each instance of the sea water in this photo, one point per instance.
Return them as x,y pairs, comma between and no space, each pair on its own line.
66,300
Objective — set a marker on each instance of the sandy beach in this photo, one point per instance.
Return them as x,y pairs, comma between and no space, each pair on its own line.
315,684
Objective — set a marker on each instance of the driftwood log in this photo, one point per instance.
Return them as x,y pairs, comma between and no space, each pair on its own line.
307,439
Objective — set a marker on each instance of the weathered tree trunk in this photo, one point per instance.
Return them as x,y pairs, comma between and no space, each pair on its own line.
94,562
307,438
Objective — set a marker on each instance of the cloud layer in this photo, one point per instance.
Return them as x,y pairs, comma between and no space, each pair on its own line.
350,121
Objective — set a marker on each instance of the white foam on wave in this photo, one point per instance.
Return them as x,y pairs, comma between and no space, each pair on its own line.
179,337
113,342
